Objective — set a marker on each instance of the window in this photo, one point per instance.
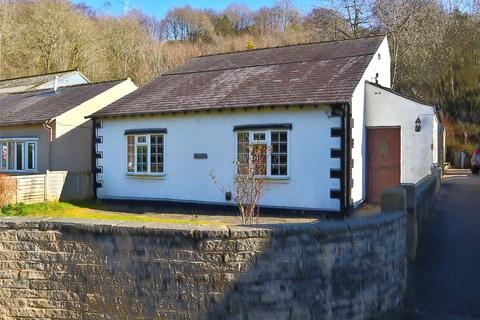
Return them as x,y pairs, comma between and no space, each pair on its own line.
145,154
18,156
270,148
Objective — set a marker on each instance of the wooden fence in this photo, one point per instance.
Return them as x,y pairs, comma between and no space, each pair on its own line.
53,186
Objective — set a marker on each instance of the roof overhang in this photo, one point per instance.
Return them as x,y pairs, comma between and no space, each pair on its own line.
300,104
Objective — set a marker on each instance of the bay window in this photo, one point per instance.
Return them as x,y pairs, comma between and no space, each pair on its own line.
18,155
266,149
145,154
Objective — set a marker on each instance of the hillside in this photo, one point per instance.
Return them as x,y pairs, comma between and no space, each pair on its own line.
435,47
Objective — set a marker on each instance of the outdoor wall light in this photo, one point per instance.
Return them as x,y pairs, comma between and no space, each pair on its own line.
418,125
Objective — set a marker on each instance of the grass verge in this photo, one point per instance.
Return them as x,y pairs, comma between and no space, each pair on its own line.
69,210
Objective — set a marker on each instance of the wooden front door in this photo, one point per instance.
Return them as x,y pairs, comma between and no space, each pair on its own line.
383,161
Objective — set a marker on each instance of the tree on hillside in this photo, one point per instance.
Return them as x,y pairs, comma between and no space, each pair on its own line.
239,16
357,14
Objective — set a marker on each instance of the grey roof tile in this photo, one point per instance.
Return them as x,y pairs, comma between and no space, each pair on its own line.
319,73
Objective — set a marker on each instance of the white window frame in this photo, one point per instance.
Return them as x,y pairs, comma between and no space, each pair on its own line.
15,141
147,143
268,142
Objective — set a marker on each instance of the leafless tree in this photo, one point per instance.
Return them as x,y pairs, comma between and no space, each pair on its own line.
355,13
248,184
240,16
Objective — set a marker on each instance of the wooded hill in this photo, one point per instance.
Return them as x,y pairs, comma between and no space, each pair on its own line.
435,46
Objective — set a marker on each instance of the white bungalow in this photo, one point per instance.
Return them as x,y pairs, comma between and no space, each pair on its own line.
337,134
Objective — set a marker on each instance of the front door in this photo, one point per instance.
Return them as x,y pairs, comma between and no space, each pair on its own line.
383,161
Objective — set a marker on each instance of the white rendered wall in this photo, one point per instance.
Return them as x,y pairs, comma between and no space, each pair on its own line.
187,179
417,148
380,64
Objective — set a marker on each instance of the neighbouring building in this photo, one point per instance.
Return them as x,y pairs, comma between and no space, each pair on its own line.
43,81
336,134
48,130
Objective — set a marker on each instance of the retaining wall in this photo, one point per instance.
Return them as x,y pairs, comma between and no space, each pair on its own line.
352,269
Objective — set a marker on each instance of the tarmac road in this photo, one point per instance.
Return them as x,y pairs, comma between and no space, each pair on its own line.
444,281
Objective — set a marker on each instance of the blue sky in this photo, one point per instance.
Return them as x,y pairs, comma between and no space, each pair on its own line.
158,8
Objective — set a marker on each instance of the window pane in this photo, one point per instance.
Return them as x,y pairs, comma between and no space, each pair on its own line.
142,139
11,156
31,156
156,153
131,154
4,156
279,157
275,136
142,158
259,136
20,156
242,152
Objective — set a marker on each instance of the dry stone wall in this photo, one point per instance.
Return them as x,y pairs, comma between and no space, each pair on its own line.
88,270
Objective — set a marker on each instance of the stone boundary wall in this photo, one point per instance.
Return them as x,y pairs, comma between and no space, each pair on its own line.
420,200
79,269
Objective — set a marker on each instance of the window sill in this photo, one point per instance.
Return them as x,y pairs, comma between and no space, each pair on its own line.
159,176
272,179
275,179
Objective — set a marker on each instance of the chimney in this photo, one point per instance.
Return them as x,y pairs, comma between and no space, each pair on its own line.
55,84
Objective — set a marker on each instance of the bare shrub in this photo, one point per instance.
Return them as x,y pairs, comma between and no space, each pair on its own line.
8,189
248,183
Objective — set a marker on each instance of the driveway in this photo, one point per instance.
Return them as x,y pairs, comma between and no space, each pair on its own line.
444,282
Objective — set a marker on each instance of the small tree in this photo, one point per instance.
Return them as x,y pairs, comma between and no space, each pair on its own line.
248,183
8,189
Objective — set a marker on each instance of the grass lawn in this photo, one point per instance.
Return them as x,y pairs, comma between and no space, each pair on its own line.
79,211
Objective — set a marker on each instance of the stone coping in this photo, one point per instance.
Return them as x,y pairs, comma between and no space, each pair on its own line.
198,231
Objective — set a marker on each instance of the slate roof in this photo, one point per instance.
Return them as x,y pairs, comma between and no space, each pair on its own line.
29,83
316,73
40,106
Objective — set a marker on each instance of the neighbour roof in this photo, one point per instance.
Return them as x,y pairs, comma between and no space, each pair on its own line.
40,106
316,73
28,83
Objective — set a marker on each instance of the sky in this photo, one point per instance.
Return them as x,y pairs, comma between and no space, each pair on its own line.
158,8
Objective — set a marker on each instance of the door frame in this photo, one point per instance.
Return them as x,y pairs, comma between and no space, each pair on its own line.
367,158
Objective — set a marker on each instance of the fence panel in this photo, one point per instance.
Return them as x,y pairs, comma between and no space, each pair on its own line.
30,189
54,186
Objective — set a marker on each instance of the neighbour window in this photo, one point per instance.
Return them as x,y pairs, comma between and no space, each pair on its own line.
271,148
18,156
145,154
